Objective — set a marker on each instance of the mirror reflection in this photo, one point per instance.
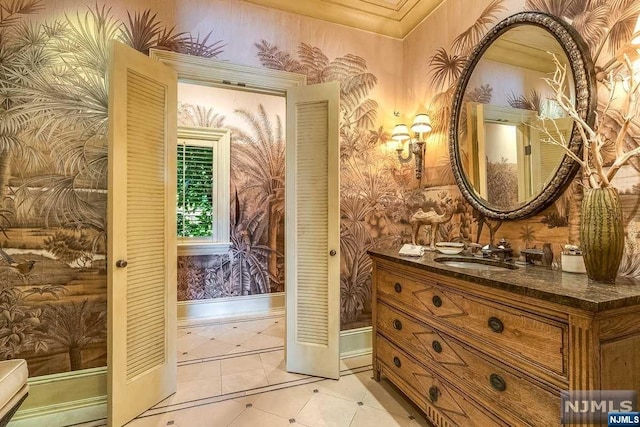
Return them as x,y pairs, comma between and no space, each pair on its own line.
503,152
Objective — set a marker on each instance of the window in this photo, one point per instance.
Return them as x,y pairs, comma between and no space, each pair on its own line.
202,191
195,189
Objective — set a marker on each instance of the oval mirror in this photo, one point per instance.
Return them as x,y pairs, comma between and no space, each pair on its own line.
503,111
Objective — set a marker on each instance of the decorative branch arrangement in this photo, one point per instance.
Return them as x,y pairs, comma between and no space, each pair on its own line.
591,161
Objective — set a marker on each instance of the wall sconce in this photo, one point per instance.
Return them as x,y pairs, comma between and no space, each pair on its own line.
421,125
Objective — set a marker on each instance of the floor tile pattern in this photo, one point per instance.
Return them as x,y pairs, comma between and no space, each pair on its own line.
232,374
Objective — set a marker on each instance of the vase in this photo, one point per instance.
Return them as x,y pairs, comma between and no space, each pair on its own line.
602,233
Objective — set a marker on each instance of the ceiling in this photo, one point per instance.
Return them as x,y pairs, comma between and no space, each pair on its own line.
527,46
393,18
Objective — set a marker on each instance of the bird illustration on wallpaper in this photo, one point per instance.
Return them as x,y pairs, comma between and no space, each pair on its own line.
53,168
21,269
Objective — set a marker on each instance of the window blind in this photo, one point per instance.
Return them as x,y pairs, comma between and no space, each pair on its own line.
195,190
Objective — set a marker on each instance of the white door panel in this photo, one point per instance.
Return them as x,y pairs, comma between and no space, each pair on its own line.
312,249
141,234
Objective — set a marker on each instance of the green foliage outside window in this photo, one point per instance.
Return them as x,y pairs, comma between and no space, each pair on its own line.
195,191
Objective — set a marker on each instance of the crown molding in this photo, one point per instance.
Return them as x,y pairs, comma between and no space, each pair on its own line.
392,18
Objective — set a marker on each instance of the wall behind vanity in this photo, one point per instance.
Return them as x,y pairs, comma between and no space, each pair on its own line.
434,57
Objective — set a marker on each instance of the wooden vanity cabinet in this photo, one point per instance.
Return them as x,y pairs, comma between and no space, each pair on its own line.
471,355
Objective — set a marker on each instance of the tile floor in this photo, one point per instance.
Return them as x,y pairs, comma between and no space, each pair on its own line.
231,373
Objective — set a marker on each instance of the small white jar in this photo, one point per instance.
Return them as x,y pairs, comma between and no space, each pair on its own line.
573,263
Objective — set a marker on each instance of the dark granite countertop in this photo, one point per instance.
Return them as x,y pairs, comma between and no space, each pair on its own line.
569,289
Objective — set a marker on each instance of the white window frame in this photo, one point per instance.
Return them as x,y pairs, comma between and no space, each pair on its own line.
219,242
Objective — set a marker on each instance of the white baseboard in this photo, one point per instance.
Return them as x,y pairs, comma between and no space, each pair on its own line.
66,414
265,305
64,399
355,342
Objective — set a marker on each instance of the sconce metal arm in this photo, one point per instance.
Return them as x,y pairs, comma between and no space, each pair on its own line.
418,150
407,159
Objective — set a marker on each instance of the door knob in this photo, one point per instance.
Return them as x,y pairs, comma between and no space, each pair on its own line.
121,263
332,252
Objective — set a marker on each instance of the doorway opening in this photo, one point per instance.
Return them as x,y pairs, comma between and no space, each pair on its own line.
310,125
231,243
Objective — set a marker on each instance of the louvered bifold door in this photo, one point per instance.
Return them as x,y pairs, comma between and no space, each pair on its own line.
547,156
141,234
312,248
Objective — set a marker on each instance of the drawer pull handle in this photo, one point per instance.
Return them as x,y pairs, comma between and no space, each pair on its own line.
434,392
398,287
437,347
496,325
397,324
497,382
397,362
436,300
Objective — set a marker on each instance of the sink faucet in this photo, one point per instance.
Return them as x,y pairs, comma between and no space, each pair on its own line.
502,252
499,253
504,244
544,256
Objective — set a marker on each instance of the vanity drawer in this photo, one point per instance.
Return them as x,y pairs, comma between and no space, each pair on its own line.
442,400
531,404
537,339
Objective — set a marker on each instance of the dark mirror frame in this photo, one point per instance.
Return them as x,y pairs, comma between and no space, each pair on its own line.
583,72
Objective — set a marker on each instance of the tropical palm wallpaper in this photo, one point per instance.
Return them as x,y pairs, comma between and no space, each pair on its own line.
53,160
53,109
53,166
255,264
